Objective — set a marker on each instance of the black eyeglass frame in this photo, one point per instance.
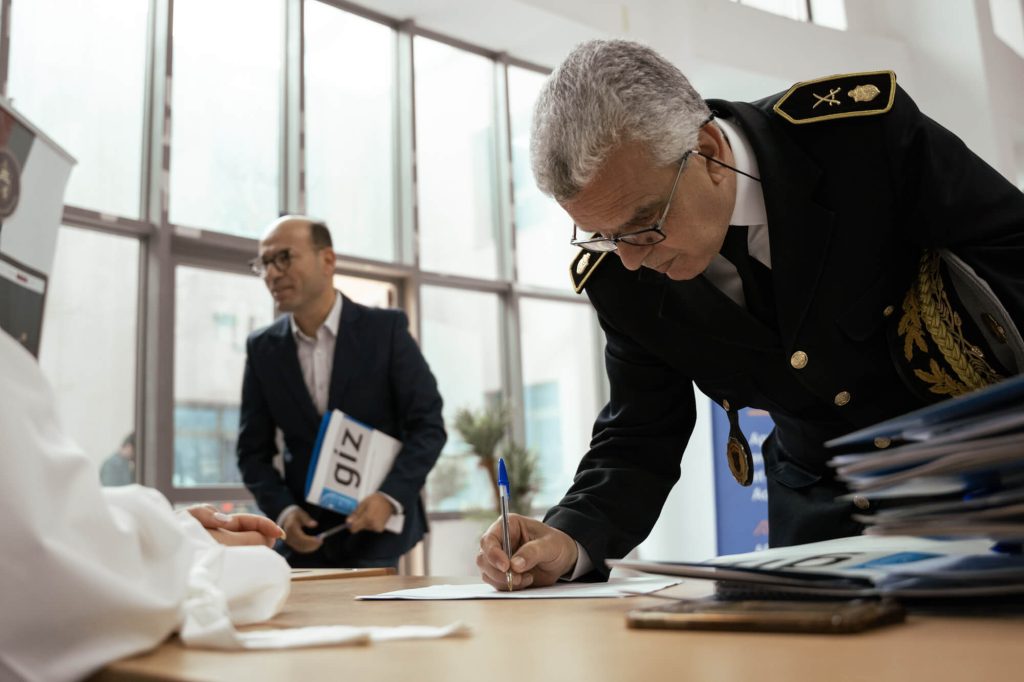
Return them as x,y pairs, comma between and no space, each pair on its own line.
281,260
605,244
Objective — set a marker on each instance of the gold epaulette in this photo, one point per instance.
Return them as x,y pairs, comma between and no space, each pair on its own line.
583,266
840,96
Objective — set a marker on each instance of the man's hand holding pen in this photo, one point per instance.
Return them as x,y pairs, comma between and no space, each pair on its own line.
542,554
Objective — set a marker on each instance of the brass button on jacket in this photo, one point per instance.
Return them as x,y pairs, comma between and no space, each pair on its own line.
881,443
798,359
861,502
842,398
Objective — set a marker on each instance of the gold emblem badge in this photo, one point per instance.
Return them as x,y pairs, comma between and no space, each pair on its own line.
829,99
10,183
737,449
864,93
582,264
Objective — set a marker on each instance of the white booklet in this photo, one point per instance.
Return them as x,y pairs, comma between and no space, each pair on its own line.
350,461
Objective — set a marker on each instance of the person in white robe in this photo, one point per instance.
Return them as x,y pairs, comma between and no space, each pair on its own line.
89,575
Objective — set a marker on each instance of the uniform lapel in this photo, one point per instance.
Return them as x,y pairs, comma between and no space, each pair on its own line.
799,228
346,351
699,306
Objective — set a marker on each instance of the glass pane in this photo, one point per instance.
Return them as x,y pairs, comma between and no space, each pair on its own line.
794,9
461,344
226,112
214,313
372,292
831,13
88,349
455,160
350,134
78,73
560,389
1007,22
543,229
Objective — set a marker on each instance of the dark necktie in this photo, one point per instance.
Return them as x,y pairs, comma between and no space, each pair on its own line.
756,278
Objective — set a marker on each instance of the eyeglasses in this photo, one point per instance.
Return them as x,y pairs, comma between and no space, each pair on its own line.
645,237
280,260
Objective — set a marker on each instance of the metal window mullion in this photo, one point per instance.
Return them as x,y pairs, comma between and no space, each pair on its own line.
406,227
506,242
211,493
512,352
157,304
291,198
5,44
504,199
103,222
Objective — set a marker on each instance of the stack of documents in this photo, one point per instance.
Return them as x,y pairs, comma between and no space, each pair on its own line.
855,567
957,471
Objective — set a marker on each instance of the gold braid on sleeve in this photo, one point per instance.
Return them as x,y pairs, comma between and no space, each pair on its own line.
927,308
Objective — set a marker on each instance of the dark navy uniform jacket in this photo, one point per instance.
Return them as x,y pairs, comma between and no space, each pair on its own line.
850,204
379,378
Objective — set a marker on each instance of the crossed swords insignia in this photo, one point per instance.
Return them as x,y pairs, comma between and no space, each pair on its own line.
829,99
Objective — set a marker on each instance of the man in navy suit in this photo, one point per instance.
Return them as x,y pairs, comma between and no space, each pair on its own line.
328,352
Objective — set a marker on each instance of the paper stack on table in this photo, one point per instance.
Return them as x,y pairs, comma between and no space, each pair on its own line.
860,566
958,470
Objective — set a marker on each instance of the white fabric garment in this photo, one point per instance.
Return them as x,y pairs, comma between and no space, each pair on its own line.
89,575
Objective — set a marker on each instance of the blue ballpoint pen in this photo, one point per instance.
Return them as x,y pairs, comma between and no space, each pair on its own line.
503,495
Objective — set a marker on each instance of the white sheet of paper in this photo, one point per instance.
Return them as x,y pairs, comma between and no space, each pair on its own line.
616,587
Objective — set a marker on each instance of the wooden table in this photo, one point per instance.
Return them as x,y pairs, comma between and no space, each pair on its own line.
586,639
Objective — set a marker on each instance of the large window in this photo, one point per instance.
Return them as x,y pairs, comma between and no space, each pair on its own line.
455,160
543,229
350,129
214,315
225,104
78,72
560,388
88,349
831,13
258,115
462,345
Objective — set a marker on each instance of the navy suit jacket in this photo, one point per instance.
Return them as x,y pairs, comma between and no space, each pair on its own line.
379,378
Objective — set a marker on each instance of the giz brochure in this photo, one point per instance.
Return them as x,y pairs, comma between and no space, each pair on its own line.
350,461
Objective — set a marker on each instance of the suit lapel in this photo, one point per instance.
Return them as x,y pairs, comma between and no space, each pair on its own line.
285,356
346,351
799,228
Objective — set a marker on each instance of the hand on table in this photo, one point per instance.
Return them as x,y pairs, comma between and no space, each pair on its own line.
237,529
542,554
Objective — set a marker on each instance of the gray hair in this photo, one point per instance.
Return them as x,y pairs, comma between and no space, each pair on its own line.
607,92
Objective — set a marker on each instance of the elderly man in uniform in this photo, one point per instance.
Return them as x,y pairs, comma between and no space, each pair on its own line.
829,254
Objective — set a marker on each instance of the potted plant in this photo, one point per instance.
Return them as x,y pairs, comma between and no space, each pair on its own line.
484,431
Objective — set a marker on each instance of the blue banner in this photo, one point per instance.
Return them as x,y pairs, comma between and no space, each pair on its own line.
741,513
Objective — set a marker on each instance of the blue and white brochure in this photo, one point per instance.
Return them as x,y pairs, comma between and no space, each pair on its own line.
350,461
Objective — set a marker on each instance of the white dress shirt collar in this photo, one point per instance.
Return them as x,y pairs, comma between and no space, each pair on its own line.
749,208
332,321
